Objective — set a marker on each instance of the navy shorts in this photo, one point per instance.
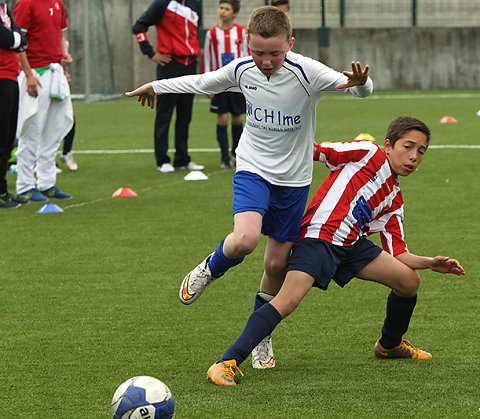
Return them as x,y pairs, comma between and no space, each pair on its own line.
228,102
325,261
282,207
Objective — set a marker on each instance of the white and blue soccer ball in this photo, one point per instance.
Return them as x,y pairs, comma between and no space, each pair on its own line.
143,397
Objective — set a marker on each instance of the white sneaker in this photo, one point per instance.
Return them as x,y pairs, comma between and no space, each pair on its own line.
191,166
166,168
262,354
195,282
69,161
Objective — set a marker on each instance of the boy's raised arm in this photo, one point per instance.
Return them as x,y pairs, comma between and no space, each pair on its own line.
356,77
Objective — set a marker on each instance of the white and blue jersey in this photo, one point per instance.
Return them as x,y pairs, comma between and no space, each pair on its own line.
277,141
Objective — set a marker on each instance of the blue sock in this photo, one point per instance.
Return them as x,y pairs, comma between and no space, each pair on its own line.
260,299
259,302
222,138
399,312
259,325
219,263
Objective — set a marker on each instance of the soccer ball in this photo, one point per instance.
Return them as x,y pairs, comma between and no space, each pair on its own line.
143,397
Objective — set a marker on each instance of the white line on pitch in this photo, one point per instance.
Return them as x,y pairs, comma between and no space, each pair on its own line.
215,150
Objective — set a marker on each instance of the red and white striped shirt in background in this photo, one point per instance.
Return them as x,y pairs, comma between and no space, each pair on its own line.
359,197
223,46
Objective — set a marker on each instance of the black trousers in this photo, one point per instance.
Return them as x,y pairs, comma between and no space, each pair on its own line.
8,126
165,105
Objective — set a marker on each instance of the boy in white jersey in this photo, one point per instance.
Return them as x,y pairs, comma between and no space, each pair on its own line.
274,155
359,197
223,43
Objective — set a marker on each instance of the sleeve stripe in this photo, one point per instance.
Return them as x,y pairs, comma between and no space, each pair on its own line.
141,37
17,40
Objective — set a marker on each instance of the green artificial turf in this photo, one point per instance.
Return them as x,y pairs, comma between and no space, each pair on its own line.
89,297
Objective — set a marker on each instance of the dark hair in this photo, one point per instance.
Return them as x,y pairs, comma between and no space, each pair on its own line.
234,3
399,126
280,3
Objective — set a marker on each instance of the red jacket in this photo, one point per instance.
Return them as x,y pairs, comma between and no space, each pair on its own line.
177,27
11,39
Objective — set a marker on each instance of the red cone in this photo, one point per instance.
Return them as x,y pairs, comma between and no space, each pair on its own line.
121,192
448,119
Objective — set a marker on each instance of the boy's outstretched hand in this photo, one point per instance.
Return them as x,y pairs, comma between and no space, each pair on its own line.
356,77
446,265
145,93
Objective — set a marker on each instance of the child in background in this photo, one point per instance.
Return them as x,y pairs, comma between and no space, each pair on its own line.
224,43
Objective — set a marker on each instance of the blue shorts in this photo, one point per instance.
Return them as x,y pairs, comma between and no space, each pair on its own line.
282,207
228,102
325,261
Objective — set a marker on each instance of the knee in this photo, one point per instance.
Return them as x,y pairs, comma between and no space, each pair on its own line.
246,242
275,266
410,284
222,119
236,119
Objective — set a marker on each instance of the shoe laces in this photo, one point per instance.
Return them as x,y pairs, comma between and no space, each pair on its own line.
407,345
231,369
412,349
263,348
201,279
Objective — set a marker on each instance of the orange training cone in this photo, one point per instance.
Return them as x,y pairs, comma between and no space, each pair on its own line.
122,192
447,119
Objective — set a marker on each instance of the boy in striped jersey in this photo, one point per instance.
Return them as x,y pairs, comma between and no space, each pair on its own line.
224,43
359,197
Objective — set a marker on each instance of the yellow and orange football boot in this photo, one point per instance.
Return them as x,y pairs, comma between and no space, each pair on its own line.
404,350
222,373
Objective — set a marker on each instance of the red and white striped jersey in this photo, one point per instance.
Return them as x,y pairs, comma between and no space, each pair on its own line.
359,197
223,46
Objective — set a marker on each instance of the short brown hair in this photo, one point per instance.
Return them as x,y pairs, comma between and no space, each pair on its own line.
399,126
234,3
268,21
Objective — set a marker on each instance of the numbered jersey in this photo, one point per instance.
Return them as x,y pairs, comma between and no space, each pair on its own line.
359,197
43,22
223,46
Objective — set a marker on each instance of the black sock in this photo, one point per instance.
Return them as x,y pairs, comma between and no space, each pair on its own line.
222,138
259,325
68,140
236,133
399,312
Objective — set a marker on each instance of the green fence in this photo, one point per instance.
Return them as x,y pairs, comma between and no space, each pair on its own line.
365,13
